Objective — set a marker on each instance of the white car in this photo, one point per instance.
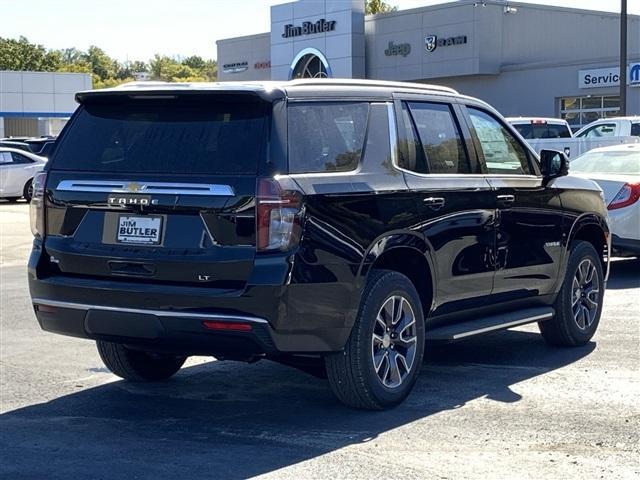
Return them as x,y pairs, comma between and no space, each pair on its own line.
617,170
17,169
538,127
611,127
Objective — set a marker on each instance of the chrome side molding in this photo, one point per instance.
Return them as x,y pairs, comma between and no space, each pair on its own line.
149,188
157,313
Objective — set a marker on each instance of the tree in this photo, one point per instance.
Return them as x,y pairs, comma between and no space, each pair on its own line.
22,55
377,6
101,64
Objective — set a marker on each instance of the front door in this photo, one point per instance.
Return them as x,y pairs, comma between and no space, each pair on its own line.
528,221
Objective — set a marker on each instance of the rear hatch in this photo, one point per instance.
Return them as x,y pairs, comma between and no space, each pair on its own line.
158,189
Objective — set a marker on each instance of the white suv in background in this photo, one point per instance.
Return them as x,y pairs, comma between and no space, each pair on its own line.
611,127
536,127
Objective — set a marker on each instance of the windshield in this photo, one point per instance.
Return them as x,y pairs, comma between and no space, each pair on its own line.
165,136
542,130
608,162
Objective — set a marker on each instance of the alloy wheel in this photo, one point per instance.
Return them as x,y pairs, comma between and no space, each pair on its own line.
394,340
585,294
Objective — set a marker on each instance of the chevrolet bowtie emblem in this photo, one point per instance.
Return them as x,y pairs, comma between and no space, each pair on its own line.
133,187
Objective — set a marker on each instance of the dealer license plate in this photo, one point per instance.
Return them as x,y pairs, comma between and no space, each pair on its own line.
145,230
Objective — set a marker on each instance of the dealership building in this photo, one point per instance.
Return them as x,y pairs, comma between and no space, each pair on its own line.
38,103
524,59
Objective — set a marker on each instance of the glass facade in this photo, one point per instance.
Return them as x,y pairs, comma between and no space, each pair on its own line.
580,111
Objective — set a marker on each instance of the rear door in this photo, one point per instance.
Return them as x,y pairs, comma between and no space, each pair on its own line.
456,205
159,189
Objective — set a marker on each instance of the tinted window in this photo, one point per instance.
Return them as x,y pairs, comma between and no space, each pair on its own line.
635,129
542,130
440,138
411,153
169,137
326,137
598,131
502,152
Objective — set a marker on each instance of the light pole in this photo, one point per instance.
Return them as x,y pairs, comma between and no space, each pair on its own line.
623,58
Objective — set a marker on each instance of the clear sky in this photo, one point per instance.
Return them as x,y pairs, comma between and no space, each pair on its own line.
136,29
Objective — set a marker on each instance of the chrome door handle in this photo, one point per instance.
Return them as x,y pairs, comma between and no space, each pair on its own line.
506,200
435,203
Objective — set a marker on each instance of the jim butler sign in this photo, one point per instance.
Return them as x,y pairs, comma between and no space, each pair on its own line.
308,28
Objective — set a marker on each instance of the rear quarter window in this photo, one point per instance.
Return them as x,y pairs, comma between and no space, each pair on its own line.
326,136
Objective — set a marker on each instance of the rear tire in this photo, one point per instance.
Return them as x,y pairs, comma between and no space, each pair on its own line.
382,359
138,366
27,191
579,303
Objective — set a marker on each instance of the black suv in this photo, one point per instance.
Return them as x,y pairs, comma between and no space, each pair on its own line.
342,222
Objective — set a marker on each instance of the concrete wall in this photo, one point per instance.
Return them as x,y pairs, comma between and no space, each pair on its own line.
480,54
255,50
343,48
43,94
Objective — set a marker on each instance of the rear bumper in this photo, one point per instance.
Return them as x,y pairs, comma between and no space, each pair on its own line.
158,330
294,318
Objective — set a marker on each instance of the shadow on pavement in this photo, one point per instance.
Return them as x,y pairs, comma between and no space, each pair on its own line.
231,420
624,273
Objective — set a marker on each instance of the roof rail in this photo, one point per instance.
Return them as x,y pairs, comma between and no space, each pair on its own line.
372,83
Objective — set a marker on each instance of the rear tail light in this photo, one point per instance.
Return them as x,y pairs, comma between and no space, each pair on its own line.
36,208
628,195
278,216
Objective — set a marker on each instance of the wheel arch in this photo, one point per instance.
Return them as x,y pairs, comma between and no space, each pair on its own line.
407,253
592,228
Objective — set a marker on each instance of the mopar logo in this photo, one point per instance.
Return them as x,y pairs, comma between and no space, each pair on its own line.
634,75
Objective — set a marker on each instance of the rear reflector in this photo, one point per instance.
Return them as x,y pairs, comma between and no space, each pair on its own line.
227,326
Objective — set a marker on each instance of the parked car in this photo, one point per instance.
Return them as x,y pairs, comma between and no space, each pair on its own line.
335,221
617,170
535,127
611,127
15,144
41,145
17,169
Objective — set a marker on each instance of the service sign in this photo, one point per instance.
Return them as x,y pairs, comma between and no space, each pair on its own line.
608,77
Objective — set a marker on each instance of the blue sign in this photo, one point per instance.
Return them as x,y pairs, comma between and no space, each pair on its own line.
634,74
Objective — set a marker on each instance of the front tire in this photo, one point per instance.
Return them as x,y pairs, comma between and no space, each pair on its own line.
138,366
383,356
579,303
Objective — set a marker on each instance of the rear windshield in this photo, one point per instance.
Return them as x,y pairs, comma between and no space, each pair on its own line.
149,136
542,130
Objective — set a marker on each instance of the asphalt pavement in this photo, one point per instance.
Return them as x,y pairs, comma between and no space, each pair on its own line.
503,406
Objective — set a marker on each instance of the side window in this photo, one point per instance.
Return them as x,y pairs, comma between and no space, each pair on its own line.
326,136
21,159
503,154
5,158
440,137
598,131
635,129
411,154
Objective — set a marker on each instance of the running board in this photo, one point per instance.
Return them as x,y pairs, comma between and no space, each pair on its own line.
459,331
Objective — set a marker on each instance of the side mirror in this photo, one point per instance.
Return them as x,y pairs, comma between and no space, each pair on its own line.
554,164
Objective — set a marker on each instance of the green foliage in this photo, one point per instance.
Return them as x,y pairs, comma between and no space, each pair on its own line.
377,6
21,55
